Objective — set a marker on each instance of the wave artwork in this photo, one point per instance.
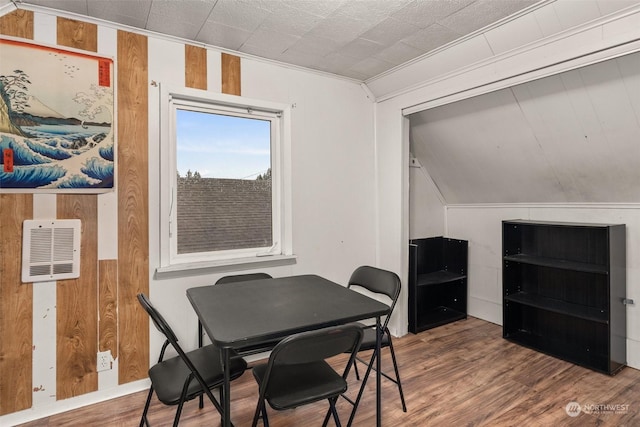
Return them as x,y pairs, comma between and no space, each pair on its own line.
56,119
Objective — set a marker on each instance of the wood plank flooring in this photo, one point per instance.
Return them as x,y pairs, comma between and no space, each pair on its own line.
459,374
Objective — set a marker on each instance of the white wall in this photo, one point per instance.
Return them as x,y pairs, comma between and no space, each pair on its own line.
426,213
331,176
560,36
350,195
482,226
333,193
332,166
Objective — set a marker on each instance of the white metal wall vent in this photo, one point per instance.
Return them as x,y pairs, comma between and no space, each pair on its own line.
50,250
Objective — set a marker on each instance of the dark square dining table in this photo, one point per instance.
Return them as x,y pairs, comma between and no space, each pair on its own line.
247,314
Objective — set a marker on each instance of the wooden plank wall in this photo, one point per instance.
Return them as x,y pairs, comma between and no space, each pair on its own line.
101,316
195,70
108,306
76,305
16,298
77,299
99,310
231,74
133,205
106,289
18,23
77,34
16,308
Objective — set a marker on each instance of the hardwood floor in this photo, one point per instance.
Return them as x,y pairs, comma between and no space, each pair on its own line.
463,373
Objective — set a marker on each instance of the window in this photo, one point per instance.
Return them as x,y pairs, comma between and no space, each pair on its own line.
221,186
223,191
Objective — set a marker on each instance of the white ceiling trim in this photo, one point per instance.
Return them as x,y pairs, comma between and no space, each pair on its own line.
109,24
609,48
462,39
7,8
354,38
569,64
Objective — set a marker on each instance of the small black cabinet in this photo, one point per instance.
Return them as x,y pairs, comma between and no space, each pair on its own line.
437,282
564,287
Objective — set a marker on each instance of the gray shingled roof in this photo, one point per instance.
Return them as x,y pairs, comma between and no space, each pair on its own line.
218,214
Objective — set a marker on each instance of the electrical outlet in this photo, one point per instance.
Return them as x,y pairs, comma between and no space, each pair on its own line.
104,361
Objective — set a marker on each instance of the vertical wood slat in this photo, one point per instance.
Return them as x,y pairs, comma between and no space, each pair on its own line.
16,308
195,72
18,23
107,306
77,34
16,298
76,305
133,206
76,299
231,74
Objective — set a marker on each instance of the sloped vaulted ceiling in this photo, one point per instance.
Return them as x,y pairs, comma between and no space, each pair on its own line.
573,137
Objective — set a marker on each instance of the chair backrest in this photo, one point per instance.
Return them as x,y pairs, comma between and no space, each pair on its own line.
377,281
159,322
166,330
317,345
313,346
243,278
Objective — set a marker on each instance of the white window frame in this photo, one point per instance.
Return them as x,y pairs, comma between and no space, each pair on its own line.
172,99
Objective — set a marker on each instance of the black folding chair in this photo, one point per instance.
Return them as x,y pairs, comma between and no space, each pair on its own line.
234,279
188,375
252,350
297,372
384,283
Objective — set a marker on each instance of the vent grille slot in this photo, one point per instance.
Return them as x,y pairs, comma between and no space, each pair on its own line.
51,250
39,270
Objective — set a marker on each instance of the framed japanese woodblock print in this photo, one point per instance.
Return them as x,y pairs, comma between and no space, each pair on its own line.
56,119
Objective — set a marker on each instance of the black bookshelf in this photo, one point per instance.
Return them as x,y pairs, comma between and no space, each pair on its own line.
437,282
564,288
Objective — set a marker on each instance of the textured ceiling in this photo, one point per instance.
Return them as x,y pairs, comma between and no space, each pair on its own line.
353,38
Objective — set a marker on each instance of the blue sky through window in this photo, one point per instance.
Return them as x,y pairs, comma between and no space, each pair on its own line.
219,146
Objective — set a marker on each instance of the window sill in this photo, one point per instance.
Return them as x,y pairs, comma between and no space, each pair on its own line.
207,267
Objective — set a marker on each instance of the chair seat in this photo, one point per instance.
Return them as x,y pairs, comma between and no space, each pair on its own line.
168,376
296,385
369,339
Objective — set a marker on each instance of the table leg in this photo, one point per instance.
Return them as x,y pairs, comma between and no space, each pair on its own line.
226,388
201,400
378,374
